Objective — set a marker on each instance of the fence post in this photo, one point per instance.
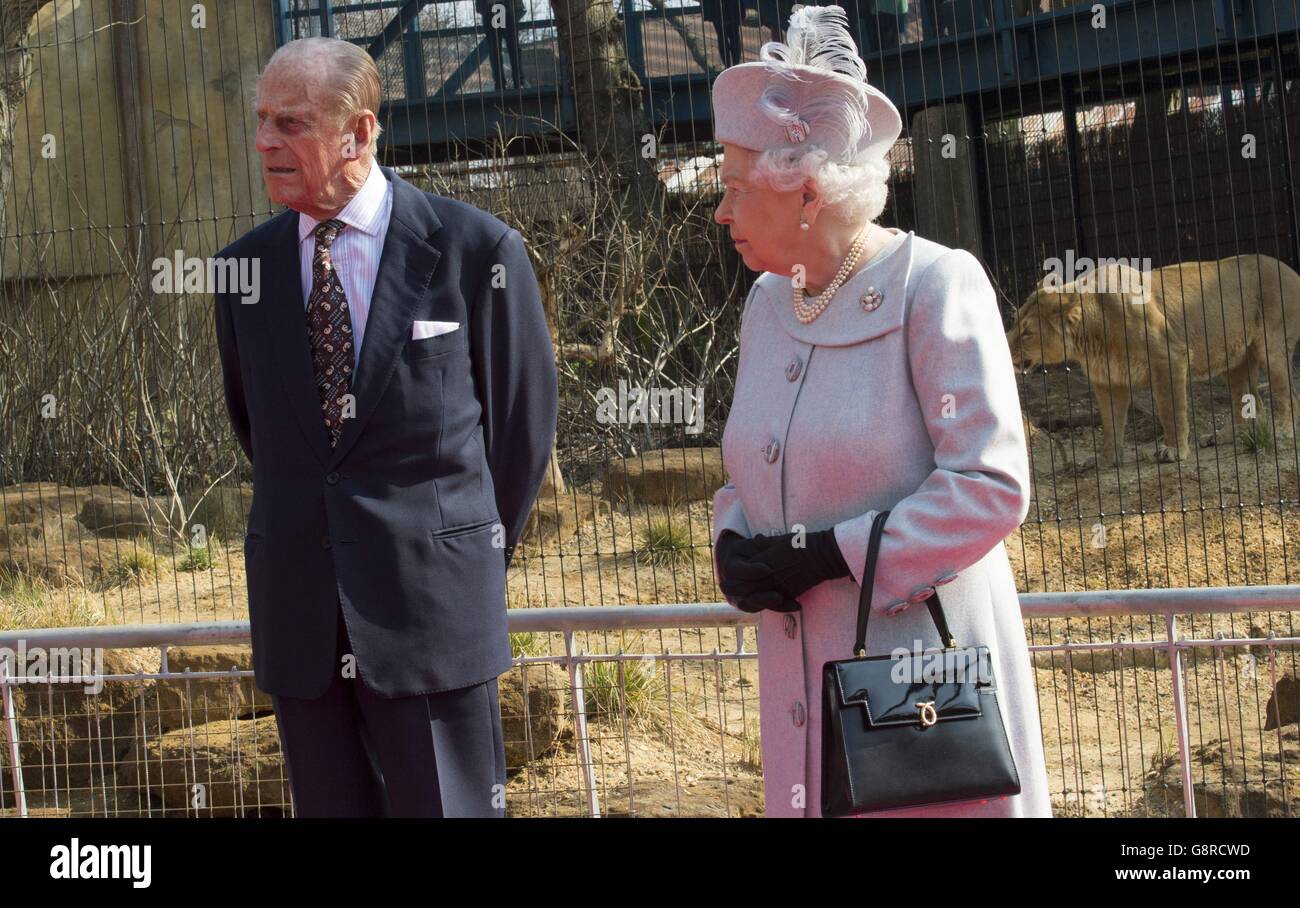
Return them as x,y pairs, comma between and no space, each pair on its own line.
1180,714
633,42
11,737
579,701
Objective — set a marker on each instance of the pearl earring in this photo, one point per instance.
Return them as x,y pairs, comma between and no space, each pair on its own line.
803,225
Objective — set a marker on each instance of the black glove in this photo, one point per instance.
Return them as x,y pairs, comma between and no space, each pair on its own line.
744,579
792,570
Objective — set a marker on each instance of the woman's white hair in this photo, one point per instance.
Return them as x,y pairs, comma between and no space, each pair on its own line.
819,37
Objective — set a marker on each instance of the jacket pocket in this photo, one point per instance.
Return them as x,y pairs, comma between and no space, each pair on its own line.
464,529
424,347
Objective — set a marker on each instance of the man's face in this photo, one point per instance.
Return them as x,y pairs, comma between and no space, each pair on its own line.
308,156
764,223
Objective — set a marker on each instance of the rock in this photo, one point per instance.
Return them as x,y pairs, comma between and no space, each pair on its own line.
17,535
199,700
34,502
20,512
223,512
69,738
74,750
529,735
236,763
666,476
33,699
120,518
59,540
1283,707
180,702
1226,782
556,519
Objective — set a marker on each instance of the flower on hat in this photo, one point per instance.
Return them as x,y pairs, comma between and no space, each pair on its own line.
807,108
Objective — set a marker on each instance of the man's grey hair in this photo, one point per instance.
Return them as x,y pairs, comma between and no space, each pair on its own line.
351,76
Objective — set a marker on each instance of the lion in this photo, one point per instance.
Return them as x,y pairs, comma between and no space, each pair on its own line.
1161,329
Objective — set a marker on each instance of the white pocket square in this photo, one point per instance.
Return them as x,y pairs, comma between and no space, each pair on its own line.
432,329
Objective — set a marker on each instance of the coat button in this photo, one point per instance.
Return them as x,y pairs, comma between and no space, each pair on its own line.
797,714
946,578
324,542
920,595
791,626
772,451
793,368
332,478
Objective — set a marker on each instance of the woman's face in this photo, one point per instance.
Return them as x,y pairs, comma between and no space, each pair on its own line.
764,223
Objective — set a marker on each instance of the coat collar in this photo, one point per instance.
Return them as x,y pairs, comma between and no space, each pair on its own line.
406,268
845,321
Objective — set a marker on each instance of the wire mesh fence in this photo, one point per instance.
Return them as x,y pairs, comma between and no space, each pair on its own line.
1045,138
1162,703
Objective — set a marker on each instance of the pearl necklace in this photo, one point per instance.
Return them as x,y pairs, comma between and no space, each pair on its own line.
807,311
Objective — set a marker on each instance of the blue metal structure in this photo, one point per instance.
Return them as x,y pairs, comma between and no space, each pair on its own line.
1006,63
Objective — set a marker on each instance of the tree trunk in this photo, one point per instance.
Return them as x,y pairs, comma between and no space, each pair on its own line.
15,76
612,125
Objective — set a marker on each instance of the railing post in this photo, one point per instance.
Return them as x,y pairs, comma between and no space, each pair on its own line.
1180,714
11,738
579,701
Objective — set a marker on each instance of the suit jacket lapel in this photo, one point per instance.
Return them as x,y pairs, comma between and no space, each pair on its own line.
406,268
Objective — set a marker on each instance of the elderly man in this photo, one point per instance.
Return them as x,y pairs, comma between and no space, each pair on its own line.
395,390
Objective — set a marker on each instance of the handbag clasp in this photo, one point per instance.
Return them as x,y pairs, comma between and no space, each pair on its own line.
928,715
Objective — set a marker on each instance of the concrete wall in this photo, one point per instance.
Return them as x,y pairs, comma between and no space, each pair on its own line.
201,184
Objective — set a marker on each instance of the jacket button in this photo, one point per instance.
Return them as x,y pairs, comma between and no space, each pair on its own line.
324,542
772,451
793,368
797,714
946,578
791,626
921,595
332,478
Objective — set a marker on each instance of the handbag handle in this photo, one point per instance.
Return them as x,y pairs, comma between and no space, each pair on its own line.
869,581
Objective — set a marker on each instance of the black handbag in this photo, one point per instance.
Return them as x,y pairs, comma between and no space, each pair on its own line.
927,733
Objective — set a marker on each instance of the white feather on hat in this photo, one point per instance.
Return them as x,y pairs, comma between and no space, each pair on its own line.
811,88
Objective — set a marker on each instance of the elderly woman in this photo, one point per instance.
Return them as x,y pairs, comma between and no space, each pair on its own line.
873,374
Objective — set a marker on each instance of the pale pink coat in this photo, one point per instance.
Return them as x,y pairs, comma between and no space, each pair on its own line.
912,408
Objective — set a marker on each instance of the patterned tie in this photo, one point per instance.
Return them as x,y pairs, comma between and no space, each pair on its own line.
330,329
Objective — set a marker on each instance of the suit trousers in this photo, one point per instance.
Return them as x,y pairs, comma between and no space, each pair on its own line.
354,753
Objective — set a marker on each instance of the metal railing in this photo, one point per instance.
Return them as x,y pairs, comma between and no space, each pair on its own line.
1192,606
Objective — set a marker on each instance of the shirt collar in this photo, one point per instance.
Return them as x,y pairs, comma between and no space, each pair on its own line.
364,211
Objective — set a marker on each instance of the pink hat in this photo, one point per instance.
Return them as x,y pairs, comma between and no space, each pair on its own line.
812,89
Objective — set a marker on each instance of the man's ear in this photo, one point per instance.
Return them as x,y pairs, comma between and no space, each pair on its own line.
363,130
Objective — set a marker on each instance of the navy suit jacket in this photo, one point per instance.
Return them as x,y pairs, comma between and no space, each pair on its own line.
410,521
